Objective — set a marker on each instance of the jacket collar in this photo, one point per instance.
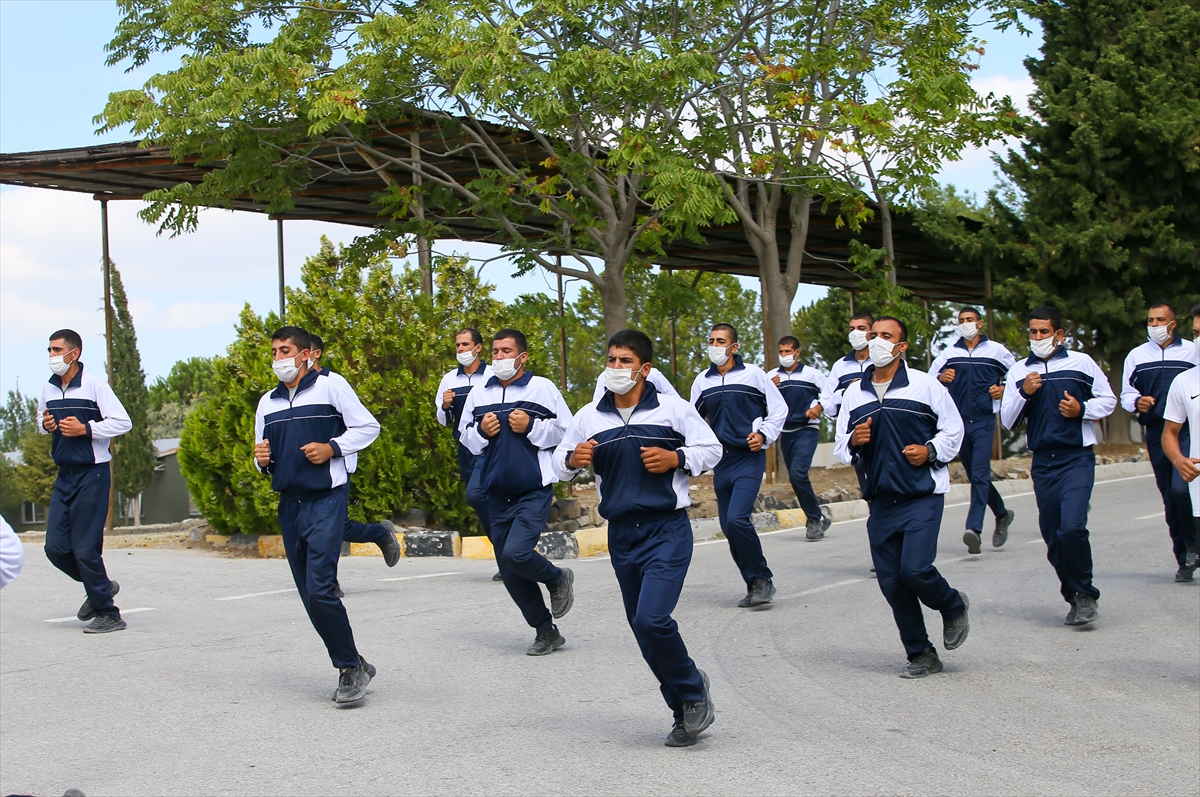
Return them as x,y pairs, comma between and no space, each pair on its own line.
737,363
1033,359
900,379
463,371
306,381
521,380
962,342
648,401
76,380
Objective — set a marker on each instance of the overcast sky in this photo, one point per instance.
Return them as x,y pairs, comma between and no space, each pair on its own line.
185,293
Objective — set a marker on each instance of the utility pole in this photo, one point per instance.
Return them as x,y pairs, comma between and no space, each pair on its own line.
108,344
279,247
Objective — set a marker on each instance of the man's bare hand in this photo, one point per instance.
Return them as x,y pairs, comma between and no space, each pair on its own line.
1145,403
1069,406
776,380
946,376
317,453
48,422
996,392
447,399
659,460
72,427
813,412
490,424
1033,381
861,434
518,421
756,441
581,457
1188,468
916,455
262,453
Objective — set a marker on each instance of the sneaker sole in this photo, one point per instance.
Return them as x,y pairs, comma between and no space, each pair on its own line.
763,601
569,575
120,626
691,740
555,645
1081,621
82,617
923,674
391,553
973,542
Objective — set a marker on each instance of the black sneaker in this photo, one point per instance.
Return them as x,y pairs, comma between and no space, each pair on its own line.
337,590
562,597
762,590
497,577
365,665
104,624
352,682
679,737
546,642
1070,616
86,612
1184,574
1084,611
923,664
1192,557
390,546
748,601
1000,533
973,541
699,714
814,529
954,632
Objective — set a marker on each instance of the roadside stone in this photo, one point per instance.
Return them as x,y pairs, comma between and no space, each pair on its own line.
568,508
558,545
431,543
553,517
764,521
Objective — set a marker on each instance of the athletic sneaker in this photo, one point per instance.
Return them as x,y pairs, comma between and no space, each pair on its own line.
562,596
1085,610
748,601
352,682
1184,574
105,624
390,546
815,528
923,664
699,714
1000,533
954,632
762,591
546,642
679,737
337,590
497,577
86,612
973,540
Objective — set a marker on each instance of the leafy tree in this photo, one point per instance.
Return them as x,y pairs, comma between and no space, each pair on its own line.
133,453
11,495
187,381
37,472
18,415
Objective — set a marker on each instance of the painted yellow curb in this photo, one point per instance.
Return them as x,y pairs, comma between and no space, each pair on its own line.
592,542
477,548
371,549
270,546
217,539
791,518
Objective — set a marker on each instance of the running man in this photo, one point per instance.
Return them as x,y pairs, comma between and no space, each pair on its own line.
801,387
83,414
642,446
1183,408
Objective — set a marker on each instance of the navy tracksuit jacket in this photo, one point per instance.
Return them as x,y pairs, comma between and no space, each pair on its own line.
462,383
79,502
1064,465
905,500
801,390
649,535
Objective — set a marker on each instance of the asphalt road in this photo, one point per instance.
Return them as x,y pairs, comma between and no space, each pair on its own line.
220,685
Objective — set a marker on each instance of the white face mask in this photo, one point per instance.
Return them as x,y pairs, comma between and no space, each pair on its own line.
620,380
505,369
718,355
1043,348
58,367
1159,335
286,369
465,358
881,352
858,339
787,360
968,330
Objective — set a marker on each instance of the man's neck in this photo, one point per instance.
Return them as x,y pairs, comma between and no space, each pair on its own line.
1170,339
475,365
790,370
71,373
520,373
727,367
303,373
886,373
862,354
972,343
631,398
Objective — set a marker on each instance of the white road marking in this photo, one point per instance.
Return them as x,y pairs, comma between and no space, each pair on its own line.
834,585
1150,517
123,613
257,594
1031,542
410,578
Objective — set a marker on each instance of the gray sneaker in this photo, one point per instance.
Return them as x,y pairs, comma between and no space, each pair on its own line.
1000,533
390,546
814,529
104,624
699,714
679,737
352,682
562,597
954,632
546,642
86,612
1085,610
762,591
1184,575
921,665
973,540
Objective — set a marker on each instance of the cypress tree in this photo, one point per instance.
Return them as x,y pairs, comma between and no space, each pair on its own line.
133,455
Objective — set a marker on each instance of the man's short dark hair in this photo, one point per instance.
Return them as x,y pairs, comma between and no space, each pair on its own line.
732,330
903,326
870,319
1167,305
315,342
297,335
69,337
789,340
1046,313
975,310
637,342
515,335
476,338
1196,311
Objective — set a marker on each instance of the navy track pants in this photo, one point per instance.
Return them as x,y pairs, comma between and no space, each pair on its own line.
1174,490
312,537
1062,484
471,473
362,532
736,480
798,448
516,523
903,533
976,457
75,531
651,558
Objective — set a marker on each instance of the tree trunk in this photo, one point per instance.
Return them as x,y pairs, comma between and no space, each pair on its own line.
1118,422
612,296
889,242
777,316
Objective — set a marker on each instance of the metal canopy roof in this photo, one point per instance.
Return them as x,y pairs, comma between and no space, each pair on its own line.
345,192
